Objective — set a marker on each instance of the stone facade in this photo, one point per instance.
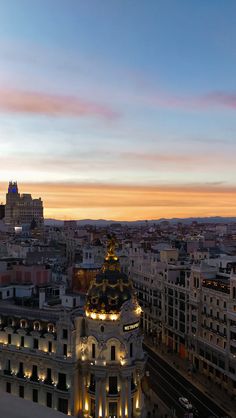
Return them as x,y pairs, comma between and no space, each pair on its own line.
22,209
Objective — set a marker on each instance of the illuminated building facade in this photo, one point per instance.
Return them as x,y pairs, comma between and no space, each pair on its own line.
111,358
21,209
38,355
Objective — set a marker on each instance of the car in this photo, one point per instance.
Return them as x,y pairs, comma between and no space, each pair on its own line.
185,403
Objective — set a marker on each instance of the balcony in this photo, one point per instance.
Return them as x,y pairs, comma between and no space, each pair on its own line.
62,386
48,382
20,375
113,393
233,343
34,378
233,328
8,372
34,352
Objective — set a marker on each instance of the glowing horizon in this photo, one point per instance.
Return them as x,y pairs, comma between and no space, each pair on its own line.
127,202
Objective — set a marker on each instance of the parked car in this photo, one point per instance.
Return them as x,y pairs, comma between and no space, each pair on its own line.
185,403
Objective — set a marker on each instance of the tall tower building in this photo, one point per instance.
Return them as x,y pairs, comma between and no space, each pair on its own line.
22,209
111,358
12,199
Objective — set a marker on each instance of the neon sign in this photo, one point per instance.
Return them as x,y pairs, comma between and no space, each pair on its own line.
130,327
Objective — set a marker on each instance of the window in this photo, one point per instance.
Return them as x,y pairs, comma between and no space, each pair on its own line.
35,395
21,392
23,323
63,405
93,350
131,350
50,328
61,381
92,383
49,400
36,326
21,370
34,375
48,379
9,339
113,409
64,334
65,349
8,387
36,343
22,341
49,346
9,365
113,352
112,384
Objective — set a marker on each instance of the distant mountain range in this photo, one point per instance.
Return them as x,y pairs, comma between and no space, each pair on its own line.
104,222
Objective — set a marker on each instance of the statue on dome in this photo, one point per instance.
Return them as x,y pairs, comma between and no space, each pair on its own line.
112,243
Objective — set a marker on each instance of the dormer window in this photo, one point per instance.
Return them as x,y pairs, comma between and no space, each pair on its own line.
37,326
23,323
51,328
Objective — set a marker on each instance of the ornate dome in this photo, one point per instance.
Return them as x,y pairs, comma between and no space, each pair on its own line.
111,288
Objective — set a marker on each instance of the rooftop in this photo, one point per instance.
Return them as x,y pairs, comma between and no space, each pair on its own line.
15,407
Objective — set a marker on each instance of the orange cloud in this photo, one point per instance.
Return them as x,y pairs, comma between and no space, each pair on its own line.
122,202
19,101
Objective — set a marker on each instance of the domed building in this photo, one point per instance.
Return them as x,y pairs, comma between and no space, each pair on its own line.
111,358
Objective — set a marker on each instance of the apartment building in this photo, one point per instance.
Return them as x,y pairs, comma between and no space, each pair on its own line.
190,306
212,314
38,355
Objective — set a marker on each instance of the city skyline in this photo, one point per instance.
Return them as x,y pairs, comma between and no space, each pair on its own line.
119,111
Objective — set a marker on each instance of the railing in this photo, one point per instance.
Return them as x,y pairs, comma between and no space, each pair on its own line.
35,352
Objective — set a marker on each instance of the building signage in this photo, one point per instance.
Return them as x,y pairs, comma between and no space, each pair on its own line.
130,327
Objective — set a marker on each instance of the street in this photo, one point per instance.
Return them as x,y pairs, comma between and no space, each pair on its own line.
169,385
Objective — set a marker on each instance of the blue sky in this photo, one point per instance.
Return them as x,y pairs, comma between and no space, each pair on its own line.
119,93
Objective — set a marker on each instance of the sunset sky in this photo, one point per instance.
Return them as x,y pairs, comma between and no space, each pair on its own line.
120,109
